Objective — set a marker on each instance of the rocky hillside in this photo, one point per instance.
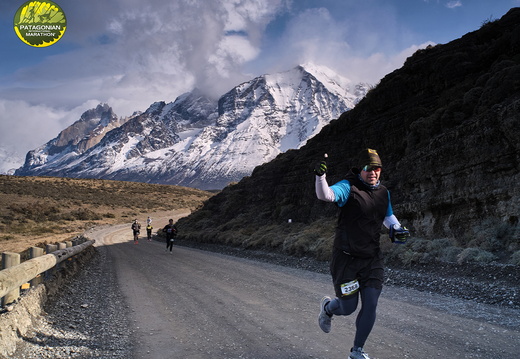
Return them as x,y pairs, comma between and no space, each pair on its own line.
447,126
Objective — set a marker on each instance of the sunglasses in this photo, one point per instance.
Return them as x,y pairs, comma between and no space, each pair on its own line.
369,168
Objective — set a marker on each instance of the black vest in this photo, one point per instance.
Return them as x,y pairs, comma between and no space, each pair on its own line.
361,218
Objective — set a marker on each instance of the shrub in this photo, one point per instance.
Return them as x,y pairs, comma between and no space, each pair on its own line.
449,254
475,255
37,211
82,214
423,251
444,250
490,20
439,244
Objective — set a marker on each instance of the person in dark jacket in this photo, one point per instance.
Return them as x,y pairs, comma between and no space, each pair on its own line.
171,231
136,230
357,263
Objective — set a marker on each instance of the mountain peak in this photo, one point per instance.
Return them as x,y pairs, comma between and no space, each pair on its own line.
196,141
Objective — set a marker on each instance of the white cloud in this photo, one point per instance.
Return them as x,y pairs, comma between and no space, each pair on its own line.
146,51
231,50
130,53
359,49
454,4
26,126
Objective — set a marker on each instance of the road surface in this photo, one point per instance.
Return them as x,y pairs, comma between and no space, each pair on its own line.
193,304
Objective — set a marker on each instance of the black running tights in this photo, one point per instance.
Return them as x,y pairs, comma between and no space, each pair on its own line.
366,316
169,244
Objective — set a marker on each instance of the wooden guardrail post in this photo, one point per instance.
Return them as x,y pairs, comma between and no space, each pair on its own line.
35,252
49,248
10,259
61,245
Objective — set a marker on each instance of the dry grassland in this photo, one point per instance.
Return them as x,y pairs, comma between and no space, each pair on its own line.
35,211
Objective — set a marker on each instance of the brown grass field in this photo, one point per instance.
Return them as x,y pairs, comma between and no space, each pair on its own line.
35,211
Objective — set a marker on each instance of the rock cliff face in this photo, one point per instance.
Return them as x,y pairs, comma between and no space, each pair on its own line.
88,131
84,134
447,127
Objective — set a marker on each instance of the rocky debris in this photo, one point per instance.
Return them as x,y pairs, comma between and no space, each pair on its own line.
17,318
476,286
87,319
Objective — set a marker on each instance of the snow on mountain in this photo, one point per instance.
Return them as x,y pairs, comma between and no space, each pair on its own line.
73,141
196,141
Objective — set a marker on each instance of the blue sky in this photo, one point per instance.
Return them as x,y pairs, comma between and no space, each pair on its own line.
131,53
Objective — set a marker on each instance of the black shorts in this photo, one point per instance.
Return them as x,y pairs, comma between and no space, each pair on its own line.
344,268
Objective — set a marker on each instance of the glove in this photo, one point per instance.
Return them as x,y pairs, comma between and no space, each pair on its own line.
321,168
399,235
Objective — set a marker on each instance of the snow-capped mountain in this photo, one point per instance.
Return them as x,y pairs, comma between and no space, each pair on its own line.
75,140
198,142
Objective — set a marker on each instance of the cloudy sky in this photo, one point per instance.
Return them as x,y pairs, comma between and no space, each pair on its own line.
131,53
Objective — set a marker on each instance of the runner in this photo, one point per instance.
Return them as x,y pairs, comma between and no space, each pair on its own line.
136,229
171,231
149,232
357,263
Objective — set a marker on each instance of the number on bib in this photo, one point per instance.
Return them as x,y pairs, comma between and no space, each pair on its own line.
349,288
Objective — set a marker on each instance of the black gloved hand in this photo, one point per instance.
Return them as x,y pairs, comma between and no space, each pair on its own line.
321,168
399,235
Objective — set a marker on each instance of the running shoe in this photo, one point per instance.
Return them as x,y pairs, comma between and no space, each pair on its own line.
358,353
324,319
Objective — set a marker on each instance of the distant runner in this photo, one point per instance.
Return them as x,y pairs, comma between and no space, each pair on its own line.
136,229
149,232
171,231
357,262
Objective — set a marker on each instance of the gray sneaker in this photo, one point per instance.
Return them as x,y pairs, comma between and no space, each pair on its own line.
358,353
324,319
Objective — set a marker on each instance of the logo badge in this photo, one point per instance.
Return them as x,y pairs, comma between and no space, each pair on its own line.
40,23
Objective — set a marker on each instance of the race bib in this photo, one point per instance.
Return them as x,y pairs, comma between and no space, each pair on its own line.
349,288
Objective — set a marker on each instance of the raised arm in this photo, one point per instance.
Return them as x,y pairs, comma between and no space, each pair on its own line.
323,191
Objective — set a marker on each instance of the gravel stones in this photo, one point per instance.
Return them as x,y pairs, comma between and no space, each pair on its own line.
86,320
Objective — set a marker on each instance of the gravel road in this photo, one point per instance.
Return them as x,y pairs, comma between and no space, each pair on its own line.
138,301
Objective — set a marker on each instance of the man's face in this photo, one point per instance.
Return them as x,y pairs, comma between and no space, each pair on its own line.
371,174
